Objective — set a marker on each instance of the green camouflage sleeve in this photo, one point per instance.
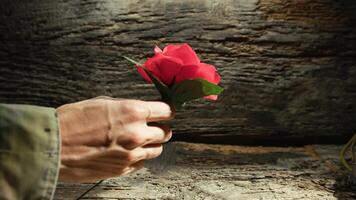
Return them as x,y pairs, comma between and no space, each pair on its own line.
29,152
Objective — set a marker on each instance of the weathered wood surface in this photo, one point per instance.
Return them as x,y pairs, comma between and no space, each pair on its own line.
217,172
288,66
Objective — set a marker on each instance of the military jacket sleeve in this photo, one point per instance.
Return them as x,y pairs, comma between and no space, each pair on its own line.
29,152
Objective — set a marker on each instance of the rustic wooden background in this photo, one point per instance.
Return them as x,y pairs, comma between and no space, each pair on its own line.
288,66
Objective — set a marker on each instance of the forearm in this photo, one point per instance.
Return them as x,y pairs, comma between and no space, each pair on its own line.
29,152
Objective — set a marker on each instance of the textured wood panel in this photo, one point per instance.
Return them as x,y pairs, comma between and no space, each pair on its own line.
288,66
217,172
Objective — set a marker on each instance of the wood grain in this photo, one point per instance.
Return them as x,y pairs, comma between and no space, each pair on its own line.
288,66
217,172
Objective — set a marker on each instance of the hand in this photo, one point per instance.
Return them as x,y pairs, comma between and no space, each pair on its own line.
106,137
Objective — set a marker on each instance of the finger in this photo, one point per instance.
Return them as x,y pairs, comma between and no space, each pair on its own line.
110,165
107,161
117,157
81,175
157,133
159,111
135,167
140,134
142,153
147,152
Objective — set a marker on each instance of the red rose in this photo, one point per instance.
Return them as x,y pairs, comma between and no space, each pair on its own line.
177,63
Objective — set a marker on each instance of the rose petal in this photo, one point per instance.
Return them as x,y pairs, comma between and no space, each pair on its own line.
157,50
202,70
143,73
170,47
164,68
217,78
212,97
183,52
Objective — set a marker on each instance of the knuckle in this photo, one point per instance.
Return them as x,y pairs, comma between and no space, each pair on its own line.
130,157
134,109
115,151
134,140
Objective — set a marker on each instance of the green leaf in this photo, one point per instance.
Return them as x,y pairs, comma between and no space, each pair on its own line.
161,87
193,89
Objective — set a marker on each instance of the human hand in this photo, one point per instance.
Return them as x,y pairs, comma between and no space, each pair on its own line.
106,137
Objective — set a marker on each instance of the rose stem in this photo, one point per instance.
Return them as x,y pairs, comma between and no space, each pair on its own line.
351,143
86,192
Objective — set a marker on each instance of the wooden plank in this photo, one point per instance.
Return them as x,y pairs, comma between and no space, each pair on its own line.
218,172
288,66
